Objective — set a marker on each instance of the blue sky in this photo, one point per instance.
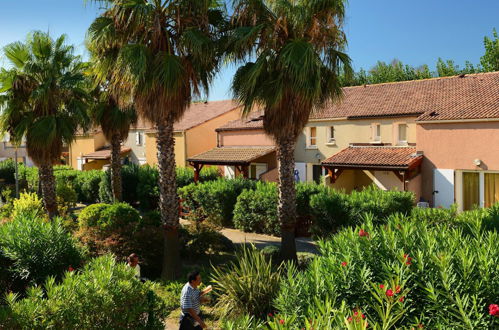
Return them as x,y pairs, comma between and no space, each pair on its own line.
416,32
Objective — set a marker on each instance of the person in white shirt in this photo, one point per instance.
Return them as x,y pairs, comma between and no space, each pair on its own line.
133,262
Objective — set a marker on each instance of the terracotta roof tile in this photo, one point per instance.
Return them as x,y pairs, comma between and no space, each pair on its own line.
374,157
473,96
231,155
197,114
104,153
252,121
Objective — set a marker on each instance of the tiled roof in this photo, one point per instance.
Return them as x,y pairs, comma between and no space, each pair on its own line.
104,153
374,157
254,120
197,114
231,155
471,96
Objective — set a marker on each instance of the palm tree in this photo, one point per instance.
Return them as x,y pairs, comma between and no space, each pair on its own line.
43,100
159,54
115,124
297,50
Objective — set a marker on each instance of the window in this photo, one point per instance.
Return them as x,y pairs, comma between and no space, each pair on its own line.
312,137
330,135
491,189
376,133
138,138
402,134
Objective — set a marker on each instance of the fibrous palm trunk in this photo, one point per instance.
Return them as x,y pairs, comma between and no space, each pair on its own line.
116,168
287,197
47,183
168,200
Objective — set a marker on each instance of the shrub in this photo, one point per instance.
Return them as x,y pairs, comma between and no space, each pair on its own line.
37,248
256,210
247,285
7,171
214,200
439,276
28,177
105,295
87,185
66,198
331,210
433,216
201,240
118,215
148,188
27,203
91,215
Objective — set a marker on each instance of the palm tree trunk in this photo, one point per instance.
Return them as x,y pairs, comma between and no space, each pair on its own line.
168,200
116,185
287,197
47,183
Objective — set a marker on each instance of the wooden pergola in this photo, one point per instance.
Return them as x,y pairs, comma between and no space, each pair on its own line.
239,157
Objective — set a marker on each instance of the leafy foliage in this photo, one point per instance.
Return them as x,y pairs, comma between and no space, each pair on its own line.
37,248
246,286
404,273
103,295
27,203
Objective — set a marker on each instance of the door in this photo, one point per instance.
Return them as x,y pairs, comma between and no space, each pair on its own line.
300,172
443,187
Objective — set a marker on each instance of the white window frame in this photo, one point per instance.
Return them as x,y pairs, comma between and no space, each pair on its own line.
399,141
375,138
309,138
331,140
139,138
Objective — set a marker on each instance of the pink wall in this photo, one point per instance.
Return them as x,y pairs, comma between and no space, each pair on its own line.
244,138
456,146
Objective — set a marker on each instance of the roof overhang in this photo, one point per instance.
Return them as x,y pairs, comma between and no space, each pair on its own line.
104,154
231,155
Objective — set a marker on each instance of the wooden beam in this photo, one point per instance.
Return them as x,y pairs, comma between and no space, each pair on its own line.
333,173
400,176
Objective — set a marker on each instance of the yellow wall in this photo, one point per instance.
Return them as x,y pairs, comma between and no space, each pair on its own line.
193,141
95,164
347,132
204,137
152,150
85,144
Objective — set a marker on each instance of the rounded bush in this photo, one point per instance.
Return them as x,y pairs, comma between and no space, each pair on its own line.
90,216
119,215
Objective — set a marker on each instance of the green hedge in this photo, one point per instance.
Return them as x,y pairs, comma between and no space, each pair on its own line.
104,295
140,184
333,209
406,273
7,171
214,200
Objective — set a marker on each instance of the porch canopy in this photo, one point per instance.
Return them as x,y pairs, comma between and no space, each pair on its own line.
403,161
239,157
104,154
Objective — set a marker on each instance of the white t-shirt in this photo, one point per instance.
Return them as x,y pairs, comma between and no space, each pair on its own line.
137,270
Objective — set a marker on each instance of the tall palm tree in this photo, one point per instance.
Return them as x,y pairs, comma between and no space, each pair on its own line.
115,124
297,47
43,100
159,53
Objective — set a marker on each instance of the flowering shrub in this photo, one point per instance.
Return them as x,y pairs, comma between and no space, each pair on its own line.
27,203
403,274
104,295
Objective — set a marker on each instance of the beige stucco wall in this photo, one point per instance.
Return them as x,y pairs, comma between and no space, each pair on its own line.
7,151
85,144
152,151
347,132
255,137
138,153
204,137
456,146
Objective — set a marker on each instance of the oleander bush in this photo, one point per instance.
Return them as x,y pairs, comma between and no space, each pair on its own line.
404,273
35,248
214,200
104,295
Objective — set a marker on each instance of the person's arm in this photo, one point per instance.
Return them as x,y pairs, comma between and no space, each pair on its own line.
206,290
196,317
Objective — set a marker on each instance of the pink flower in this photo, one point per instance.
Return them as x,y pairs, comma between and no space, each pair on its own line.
355,313
363,233
344,264
363,316
397,289
382,286
401,299
494,310
70,268
389,293
281,321
349,319
271,315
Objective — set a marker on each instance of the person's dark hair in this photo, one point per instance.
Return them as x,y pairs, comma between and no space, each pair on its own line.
192,276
